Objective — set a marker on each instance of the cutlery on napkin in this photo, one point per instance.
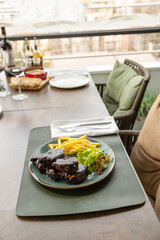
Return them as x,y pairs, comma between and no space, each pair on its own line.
89,126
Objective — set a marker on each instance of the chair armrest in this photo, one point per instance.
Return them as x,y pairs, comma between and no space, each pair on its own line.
129,133
125,115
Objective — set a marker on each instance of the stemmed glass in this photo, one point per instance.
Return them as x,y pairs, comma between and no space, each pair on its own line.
20,66
3,87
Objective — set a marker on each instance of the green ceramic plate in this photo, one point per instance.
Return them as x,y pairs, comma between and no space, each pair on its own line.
91,179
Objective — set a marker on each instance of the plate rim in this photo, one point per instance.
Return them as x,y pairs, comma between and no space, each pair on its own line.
86,81
76,186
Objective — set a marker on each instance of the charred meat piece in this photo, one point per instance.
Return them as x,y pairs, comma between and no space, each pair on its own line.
52,155
41,166
53,174
66,165
45,160
79,176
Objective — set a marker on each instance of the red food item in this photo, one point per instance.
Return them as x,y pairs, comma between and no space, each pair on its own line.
36,74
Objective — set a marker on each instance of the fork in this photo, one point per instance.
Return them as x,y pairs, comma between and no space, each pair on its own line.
73,128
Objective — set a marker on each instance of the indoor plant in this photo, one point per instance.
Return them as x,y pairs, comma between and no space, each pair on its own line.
146,104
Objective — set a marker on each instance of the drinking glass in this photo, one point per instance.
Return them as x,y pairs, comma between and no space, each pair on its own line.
3,87
16,70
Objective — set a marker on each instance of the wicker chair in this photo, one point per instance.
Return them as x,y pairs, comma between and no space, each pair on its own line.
129,138
127,120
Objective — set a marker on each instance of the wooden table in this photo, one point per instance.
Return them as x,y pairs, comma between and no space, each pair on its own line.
39,110
49,97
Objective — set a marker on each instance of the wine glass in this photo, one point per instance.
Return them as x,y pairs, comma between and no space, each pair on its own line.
3,87
16,70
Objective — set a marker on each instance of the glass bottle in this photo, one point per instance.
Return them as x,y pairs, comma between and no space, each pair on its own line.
28,55
6,46
37,58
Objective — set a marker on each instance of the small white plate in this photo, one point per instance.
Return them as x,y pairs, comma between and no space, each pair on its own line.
68,82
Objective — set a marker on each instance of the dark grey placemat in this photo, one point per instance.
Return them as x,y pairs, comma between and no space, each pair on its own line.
120,189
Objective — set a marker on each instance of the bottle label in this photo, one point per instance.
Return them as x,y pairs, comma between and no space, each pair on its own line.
37,59
3,36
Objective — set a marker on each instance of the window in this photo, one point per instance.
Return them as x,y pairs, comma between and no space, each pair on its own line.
51,16
39,17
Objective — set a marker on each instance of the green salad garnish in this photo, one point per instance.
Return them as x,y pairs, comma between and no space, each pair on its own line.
96,161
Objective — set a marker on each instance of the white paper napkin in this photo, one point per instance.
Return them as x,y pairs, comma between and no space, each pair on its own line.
95,130
65,72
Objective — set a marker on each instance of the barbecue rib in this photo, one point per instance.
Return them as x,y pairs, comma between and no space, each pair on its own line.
45,160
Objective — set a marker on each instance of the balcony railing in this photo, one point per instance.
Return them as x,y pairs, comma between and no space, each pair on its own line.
86,33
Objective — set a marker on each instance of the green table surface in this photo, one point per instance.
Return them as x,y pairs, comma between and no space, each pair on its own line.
120,189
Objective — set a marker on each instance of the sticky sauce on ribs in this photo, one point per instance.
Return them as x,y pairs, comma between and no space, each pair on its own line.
54,164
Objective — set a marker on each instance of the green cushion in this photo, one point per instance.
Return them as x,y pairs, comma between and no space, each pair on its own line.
111,105
121,89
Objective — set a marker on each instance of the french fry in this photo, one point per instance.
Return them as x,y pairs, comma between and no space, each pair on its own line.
73,145
53,145
59,142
